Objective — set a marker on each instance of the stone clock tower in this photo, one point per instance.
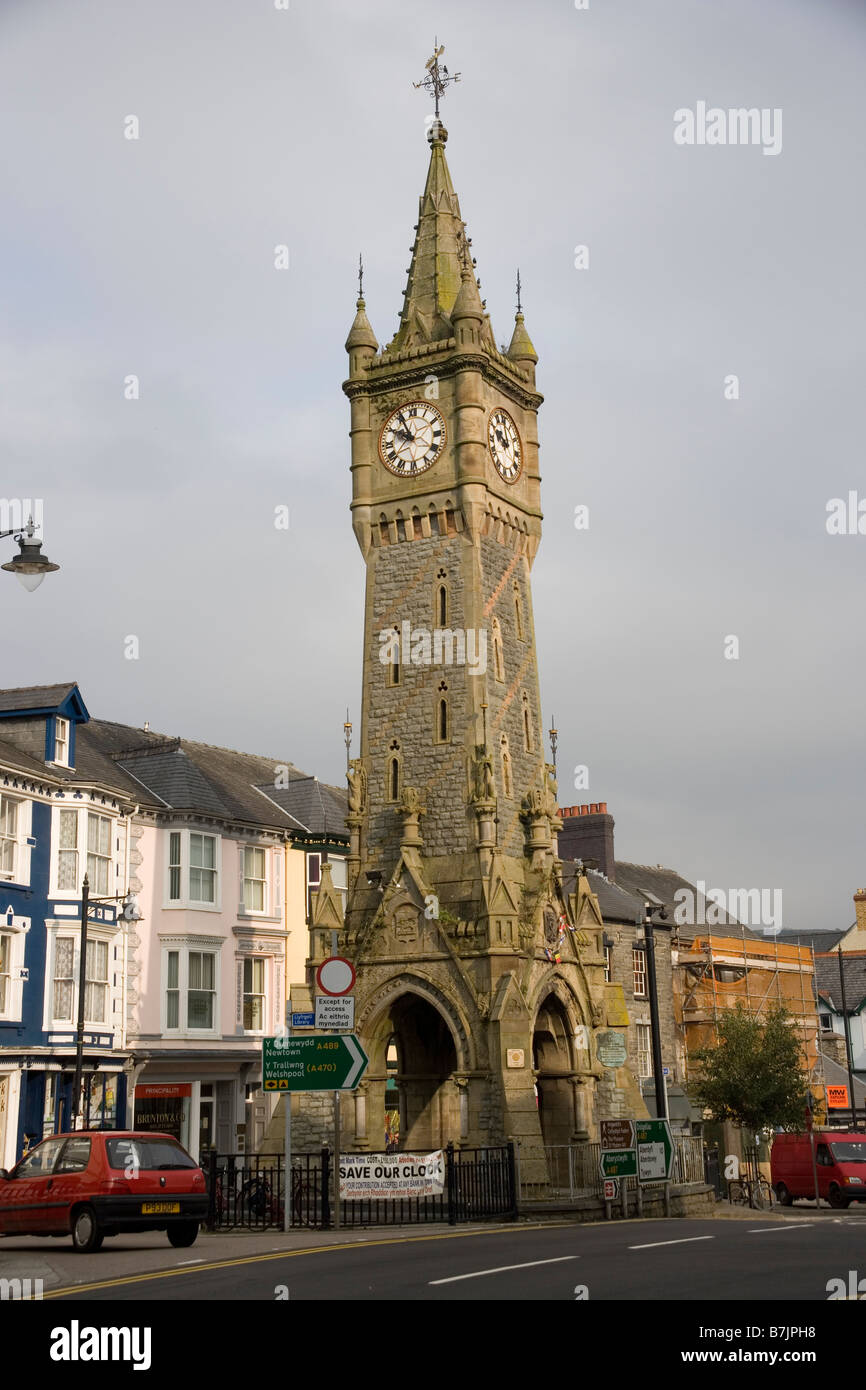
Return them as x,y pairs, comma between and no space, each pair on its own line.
479,986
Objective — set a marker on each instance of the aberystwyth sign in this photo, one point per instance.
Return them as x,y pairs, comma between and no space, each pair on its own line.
392,1175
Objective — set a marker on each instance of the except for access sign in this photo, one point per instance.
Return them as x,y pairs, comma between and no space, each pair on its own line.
337,1014
322,1063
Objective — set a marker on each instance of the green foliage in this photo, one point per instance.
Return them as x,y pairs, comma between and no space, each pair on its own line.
754,1077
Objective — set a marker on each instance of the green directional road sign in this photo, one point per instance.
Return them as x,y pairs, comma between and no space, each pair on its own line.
321,1062
618,1163
655,1150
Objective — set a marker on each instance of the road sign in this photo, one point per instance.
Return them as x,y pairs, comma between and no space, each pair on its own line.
336,1014
655,1150
303,1021
319,1063
335,976
611,1187
837,1097
617,1134
618,1163
611,1048
666,1071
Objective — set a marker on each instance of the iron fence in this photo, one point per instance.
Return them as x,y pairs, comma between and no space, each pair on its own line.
573,1169
247,1191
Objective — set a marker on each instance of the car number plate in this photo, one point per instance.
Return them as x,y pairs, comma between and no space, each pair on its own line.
157,1208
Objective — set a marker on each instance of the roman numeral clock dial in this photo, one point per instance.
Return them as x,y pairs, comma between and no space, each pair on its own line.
504,444
412,439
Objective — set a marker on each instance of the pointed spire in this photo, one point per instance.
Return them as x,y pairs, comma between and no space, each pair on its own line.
521,349
361,333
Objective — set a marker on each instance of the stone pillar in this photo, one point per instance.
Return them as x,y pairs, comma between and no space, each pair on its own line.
462,1085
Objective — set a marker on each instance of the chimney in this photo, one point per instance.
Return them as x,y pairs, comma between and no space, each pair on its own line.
860,909
587,833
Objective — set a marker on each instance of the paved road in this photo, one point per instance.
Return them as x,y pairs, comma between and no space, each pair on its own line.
756,1258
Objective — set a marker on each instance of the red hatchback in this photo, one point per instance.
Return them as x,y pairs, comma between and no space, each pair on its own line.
97,1183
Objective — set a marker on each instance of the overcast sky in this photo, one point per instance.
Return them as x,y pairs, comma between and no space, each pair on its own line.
261,126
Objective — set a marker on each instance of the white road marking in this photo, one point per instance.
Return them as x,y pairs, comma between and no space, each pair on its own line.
502,1269
685,1241
788,1226
181,1263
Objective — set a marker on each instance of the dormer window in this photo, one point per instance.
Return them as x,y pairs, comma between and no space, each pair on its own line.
61,741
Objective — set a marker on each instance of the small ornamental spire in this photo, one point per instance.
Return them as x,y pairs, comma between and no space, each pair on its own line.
438,78
360,276
519,307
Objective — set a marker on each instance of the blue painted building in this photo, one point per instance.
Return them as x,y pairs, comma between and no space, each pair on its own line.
64,811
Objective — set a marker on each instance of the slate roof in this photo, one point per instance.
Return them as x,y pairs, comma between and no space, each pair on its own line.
36,697
818,940
827,978
837,1075
637,884
183,775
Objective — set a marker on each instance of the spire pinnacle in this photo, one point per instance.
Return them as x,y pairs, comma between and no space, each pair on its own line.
361,276
438,78
518,290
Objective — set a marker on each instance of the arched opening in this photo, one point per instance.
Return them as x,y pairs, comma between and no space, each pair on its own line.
553,1060
421,1105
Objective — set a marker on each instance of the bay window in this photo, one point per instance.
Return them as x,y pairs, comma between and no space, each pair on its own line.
192,870
255,879
191,996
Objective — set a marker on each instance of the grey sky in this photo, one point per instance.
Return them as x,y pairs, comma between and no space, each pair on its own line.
707,517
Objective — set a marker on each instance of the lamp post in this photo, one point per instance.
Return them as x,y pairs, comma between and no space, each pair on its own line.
648,948
30,566
130,914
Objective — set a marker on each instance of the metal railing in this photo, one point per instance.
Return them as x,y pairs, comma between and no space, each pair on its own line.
248,1191
573,1169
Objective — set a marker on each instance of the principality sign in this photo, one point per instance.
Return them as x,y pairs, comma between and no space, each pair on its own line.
389,1176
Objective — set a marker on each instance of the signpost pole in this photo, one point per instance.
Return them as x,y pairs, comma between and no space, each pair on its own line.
287,1139
334,946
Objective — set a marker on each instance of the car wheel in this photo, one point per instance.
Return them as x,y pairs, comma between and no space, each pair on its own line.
838,1198
86,1235
784,1195
183,1235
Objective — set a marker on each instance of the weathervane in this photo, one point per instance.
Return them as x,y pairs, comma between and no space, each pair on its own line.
437,78
518,292
361,276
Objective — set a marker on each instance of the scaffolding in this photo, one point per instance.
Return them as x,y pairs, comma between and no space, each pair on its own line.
716,973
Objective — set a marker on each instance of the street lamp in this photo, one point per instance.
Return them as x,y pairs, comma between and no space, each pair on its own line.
131,913
30,567
648,948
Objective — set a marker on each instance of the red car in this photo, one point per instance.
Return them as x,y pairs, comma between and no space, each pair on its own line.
97,1183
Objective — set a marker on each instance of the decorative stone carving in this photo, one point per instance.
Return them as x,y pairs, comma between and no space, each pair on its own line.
406,922
357,777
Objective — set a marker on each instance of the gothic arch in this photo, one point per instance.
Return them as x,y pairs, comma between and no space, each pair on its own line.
372,1017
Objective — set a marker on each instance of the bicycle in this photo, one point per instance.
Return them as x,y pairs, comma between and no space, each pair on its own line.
751,1192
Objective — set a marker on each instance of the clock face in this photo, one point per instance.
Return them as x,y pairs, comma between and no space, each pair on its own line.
412,438
505,446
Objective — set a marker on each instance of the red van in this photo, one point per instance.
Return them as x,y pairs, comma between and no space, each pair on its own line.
96,1183
840,1162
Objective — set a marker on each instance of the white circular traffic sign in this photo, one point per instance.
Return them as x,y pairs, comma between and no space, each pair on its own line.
335,975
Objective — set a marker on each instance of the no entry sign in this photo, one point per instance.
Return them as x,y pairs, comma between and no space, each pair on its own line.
336,975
